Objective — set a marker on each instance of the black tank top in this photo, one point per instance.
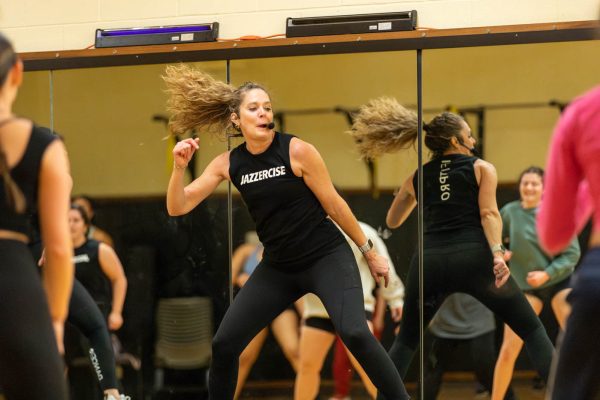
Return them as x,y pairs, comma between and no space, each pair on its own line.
290,221
26,174
89,272
451,196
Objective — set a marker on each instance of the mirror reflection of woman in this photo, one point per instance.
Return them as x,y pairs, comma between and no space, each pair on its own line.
463,249
93,231
544,279
287,189
98,296
34,179
99,269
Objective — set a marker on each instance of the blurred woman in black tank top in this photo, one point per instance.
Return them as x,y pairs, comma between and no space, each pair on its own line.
34,177
463,227
97,301
85,312
98,268
286,186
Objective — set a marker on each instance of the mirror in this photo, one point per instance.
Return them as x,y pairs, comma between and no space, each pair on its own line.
34,99
314,98
512,97
113,126
113,121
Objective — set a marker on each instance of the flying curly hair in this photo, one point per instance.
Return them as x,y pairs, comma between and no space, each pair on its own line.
383,126
199,101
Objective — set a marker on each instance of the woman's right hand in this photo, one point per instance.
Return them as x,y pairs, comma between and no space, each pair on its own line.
183,152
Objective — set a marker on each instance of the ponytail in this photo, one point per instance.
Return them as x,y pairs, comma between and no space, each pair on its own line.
197,100
383,126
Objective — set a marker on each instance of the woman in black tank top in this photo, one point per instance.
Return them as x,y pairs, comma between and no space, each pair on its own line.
289,194
98,268
34,177
97,300
463,249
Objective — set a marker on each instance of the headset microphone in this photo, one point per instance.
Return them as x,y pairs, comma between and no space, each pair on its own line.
271,125
473,150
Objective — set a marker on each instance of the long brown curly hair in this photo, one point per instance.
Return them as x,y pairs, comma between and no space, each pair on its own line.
199,101
383,125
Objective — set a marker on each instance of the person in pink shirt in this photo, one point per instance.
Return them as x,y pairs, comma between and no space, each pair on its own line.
572,193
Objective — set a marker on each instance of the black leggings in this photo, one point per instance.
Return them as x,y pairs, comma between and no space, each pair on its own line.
482,351
578,369
86,316
467,267
30,366
334,278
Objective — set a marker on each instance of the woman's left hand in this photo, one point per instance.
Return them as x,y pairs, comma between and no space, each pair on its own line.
537,278
501,271
115,321
379,267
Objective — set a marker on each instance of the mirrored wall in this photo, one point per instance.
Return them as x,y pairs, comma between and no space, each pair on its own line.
35,97
113,121
512,97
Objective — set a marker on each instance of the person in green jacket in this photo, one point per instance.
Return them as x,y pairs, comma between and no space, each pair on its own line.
544,279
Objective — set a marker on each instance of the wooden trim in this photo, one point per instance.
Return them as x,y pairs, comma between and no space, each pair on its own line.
315,45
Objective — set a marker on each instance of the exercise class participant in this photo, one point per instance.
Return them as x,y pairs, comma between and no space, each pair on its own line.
34,177
572,192
543,278
97,301
93,232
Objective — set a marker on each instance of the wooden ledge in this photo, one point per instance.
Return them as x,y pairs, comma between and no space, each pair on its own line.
314,45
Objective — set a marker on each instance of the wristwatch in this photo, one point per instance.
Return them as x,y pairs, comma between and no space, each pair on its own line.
498,247
366,247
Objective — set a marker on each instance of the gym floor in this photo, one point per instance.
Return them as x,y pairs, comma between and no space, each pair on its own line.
456,386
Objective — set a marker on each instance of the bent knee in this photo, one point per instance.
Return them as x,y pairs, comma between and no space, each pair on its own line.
356,336
248,358
309,365
559,301
223,347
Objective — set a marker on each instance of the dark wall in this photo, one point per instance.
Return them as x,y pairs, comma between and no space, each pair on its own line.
187,256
